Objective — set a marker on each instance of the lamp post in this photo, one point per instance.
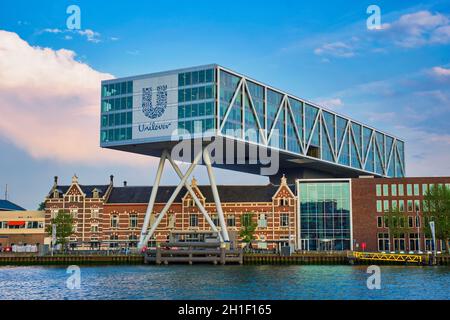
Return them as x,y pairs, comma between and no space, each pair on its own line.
418,230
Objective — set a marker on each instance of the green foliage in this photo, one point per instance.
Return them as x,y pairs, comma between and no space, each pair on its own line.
64,227
248,227
41,206
396,221
438,210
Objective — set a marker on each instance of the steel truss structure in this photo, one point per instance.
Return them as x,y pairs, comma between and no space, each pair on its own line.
302,128
205,154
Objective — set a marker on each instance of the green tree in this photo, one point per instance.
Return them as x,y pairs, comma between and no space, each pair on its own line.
64,227
41,206
437,208
396,222
248,227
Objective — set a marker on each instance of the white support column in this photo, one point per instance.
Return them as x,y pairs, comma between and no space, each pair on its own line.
212,181
172,198
195,198
152,199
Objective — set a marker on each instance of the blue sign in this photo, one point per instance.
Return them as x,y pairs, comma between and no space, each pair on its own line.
150,110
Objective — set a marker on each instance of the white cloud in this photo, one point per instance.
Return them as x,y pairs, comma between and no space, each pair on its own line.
336,49
49,104
91,35
333,103
441,72
418,29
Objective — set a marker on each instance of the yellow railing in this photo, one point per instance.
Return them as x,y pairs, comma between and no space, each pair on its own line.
413,258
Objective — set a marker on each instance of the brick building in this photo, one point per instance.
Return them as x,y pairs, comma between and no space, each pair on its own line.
371,198
315,214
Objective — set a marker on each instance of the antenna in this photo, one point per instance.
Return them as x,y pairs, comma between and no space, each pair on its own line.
6,192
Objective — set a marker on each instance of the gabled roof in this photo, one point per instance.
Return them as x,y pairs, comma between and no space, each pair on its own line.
87,189
6,205
231,193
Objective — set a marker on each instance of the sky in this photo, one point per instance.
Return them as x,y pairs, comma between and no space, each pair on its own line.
395,78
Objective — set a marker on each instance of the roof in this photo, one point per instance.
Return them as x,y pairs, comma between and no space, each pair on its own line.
87,189
6,205
22,215
230,193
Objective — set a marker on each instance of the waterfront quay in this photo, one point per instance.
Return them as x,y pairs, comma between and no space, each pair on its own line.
307,258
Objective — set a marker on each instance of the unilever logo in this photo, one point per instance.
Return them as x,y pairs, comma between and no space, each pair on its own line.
154,111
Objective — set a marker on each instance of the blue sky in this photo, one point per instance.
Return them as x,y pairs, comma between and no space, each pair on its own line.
396,79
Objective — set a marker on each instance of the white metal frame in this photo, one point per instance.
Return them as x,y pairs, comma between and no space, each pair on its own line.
337,145
223,233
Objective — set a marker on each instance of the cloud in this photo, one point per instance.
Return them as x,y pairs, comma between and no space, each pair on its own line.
335,49
49,104
333,103
91,35
441,72
418,29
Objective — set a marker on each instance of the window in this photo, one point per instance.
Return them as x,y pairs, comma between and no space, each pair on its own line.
386,205
401,190
133,221
74,213
410,206
401,205
231,221
215,219
379,206
94,228
394,190
413,241
409,190
114,241
410,222
424,206
378,190
383,242
394,205
385,190
262,222
284,220
132,241
399,243
416,205
193,220
416,190
379,222
424,189
114,221
417,222
95,213
284,202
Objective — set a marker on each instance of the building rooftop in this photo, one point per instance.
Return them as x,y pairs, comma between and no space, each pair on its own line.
6,205
229,193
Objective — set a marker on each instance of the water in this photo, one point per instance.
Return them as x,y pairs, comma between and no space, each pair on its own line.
225,282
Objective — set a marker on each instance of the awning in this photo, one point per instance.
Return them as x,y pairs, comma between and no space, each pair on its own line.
16,223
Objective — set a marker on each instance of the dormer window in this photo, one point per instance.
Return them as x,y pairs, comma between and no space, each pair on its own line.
284,202
95,193
56,194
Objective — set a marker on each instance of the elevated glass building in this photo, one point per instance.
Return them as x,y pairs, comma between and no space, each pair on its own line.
146,114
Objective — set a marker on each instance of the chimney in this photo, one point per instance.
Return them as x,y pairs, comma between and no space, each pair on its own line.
124,183
55,183
111,179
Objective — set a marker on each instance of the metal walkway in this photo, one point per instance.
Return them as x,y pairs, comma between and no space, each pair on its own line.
378,256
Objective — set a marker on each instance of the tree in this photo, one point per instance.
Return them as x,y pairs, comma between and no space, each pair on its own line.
248,228
395,221
437,209
64,227
41,206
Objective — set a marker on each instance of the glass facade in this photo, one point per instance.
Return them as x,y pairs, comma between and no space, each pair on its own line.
196,96
116,111
295,126
214,98
325,215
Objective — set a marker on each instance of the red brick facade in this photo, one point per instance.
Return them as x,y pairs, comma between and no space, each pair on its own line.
402,192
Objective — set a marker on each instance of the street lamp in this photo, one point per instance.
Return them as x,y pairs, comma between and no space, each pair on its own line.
418,230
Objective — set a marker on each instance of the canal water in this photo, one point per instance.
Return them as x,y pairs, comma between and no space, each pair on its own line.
224,282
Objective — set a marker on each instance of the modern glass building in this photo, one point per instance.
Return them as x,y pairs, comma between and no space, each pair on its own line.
145,114
325,218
